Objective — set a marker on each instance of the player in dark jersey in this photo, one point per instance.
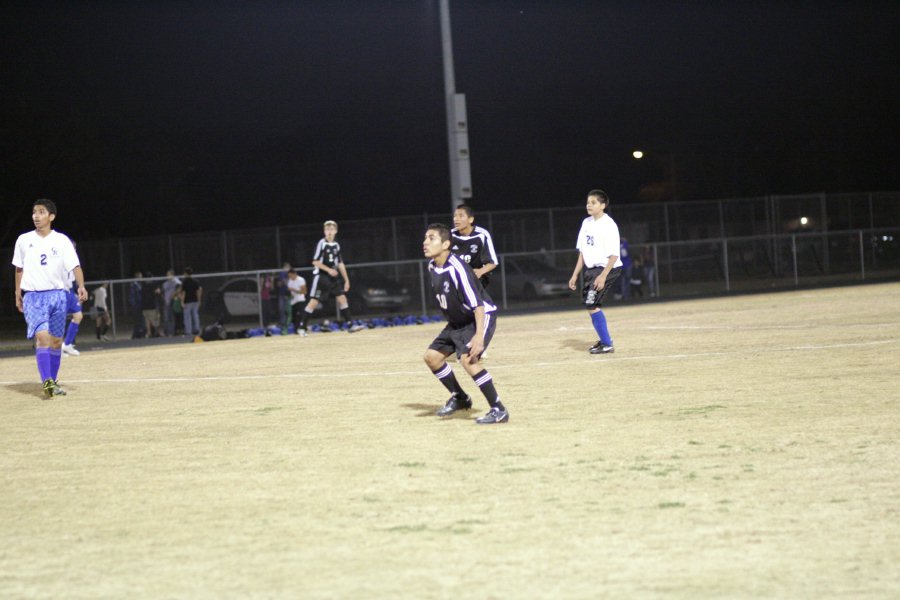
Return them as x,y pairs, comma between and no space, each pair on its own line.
471,321
472,243
329,279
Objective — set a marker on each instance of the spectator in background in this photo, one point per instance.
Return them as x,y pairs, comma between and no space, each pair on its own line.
297,287
149,306
636,283
169,289
265,296
191,296
627,265
135,296
284,298
101,311
650,272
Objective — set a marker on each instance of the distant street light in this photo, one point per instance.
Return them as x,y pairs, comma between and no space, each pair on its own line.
665,159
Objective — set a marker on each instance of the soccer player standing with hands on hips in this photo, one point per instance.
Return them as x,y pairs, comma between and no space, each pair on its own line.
598,255
470,326
43,258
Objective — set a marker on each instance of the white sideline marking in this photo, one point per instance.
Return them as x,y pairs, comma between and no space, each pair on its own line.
740,327
520,365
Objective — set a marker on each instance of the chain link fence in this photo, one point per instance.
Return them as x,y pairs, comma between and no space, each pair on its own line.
735,239
538,280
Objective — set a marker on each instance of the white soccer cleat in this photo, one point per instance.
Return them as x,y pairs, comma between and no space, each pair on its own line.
70,350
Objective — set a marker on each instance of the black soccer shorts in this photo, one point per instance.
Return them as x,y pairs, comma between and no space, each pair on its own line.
451,339
587,282
324,286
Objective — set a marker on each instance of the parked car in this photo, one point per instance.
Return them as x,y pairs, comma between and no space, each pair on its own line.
234,298
530,278
372,291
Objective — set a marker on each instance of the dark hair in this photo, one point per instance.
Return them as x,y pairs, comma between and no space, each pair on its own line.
466,208
294,271
188,271
50,205
441,229
603,196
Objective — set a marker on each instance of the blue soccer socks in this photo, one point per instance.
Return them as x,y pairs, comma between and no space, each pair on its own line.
599,321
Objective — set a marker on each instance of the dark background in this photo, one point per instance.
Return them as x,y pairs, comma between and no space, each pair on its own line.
153,117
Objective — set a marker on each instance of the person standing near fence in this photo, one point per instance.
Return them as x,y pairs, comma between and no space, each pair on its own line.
102,311
169,289
598,256
284,298
473,243
191,296
135,299
43,258
297,287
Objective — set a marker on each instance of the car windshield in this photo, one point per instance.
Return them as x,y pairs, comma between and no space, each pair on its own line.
241,285
529,264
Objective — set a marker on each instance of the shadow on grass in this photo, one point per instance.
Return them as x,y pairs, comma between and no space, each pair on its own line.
580,344
429,410
25,389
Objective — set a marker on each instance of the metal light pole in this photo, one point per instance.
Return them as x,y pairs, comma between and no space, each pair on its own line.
457,123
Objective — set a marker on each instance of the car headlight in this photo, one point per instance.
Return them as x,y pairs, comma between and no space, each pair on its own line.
376,292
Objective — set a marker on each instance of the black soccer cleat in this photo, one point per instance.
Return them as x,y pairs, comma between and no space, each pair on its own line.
495,415
454,404
51,389
601,348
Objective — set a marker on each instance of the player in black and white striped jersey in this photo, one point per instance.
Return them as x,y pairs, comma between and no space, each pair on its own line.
329,279
473,243
471,321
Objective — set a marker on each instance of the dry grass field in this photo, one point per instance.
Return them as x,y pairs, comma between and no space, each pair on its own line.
735,447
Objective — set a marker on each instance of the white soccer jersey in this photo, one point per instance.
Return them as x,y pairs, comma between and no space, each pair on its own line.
295,285
45,261
100,298
598,240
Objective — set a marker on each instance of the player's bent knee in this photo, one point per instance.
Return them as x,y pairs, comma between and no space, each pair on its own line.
433,359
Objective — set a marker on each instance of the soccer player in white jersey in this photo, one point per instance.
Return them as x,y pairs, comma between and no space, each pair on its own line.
598,255
471,321
473,243
43,258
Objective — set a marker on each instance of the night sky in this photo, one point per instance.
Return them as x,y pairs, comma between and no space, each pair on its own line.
154,117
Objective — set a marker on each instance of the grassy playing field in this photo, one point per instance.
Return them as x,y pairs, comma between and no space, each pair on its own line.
732,447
